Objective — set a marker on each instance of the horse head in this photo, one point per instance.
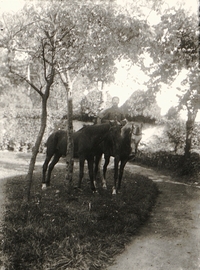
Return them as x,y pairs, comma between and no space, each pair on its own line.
136,136
133,132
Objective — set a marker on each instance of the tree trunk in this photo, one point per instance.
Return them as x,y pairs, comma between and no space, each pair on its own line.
29,177
65,78
189,129
104,94
70,145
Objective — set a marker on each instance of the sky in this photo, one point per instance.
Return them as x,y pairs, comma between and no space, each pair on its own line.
168,95
10,5
125,84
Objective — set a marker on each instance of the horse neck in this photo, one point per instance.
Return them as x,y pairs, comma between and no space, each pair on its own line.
100,132
126,139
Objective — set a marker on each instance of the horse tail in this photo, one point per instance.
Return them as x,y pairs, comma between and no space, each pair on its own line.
52,143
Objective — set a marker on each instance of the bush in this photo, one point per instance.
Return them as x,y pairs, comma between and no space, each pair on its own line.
191,165
171,161
175,130
21,129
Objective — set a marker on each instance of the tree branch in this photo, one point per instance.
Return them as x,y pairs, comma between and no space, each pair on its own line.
27,81
44,60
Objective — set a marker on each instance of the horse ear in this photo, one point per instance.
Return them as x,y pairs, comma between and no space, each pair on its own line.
114,123
124,122
111,122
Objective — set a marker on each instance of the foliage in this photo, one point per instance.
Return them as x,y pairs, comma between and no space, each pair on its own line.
90,104
143,104
21,127
196,137
77,231
88,37
175,130
190,98
176,45
172,162
177,48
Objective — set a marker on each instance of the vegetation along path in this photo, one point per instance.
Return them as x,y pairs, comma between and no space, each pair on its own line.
171,238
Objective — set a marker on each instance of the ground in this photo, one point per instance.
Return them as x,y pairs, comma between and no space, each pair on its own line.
170,240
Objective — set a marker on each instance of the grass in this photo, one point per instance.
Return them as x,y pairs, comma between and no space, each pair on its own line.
79,230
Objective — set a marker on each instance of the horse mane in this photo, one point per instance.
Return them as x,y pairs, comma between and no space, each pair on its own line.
128,126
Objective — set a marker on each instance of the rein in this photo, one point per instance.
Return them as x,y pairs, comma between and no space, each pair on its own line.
140,134
102,138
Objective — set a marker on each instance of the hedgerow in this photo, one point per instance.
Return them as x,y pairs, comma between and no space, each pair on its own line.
173,162
20,130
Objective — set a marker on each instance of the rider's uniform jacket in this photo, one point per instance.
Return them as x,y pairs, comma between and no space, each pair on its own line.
113,113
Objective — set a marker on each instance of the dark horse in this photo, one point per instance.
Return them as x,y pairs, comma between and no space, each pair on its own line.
131,134
85,140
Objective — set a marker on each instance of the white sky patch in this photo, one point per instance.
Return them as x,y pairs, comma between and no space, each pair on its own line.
11,5
167,98
128,78
189,5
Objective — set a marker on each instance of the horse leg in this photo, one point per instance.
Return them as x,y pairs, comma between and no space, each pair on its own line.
116,165
51,166
44,169
121,171
107,160
91,172
96,168
81,170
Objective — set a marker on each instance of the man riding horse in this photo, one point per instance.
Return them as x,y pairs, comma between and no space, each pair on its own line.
113,113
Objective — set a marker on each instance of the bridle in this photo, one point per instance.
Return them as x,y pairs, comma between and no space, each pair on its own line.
140,134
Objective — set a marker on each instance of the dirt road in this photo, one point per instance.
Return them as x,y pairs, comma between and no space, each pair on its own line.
171,238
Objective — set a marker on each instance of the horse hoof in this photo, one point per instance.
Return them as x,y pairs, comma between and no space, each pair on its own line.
95,192
114,192
104,186
95,184
44,186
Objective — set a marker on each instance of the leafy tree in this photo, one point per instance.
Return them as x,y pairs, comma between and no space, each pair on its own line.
142,103
90,104
173,113
29,43
175,128
191,101
54,38
175,45
176,48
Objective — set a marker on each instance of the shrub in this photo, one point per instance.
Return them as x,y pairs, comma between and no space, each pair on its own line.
175,130
21,129
191,165
169,160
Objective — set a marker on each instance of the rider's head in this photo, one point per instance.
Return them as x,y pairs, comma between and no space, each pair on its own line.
115,101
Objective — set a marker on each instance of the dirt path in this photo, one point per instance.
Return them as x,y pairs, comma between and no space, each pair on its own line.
171,238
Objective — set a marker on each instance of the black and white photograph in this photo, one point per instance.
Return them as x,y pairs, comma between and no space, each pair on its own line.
99,135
